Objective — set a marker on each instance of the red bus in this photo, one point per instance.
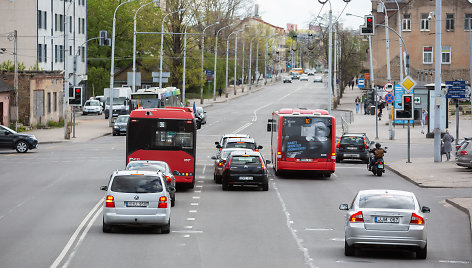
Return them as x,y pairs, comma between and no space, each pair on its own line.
303,139
164,134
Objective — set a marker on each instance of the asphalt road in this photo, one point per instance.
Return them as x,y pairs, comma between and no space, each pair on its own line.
50,206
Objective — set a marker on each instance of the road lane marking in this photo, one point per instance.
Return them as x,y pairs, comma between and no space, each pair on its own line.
242,128
319,229
75,235
188,232
454,262
194,204
192,211
190,219
196,197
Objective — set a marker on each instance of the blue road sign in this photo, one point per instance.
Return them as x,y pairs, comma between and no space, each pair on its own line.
389,98
456,89
397,104
360,83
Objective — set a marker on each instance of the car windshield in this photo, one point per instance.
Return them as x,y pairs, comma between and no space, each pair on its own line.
92,103
7,128
245,160
146,166
352,140
389,201
136,184
241,144
122,119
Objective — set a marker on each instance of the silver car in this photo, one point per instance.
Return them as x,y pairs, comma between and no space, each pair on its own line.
220,161
464,154
136,198
385,218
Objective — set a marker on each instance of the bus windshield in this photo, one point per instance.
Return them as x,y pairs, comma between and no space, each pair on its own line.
306,137
145,103
160,134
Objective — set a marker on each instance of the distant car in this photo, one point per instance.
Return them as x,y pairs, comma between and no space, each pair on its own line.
464,155
220,161
318,78
242,143
157,166
460,142
136,199
101,99
353,146
245,167
295,75
121,125
201,114
311,72
221,143
386,218
21,142
287,79
92,107
304,77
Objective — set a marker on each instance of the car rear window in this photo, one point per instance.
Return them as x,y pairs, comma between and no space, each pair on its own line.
352,140
245,160
386,201
136,184
146,166
245,145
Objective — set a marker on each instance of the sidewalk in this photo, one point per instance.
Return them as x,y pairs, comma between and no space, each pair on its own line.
423,172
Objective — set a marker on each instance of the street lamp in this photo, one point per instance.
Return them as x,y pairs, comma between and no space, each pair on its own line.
250,60
216,55
227,56
162,44
185,61
112,67
134,43
203,50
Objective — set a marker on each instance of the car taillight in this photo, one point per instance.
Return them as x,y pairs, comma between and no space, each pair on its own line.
357,217
162,202
229,163
337,145
220,164
416,219
262,164
168,179
110,201
463,152
365,144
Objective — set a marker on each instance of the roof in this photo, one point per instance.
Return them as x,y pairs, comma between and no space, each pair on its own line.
386,191
246,152
247,140
164,113
354,134
4,87
300,111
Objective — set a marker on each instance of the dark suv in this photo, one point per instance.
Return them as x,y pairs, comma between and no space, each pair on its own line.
245,168
353,146
12,140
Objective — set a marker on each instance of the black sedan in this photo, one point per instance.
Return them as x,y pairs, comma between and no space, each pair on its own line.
245,168
353,146
13,140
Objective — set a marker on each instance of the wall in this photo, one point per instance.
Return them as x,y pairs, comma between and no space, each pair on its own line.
5,99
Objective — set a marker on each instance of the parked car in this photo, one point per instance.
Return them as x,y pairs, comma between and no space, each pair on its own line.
304,77
121,125
157,166
464,155
353,146
92,107
245,167
136,199
287,79
385,218
201,114
318,78
21,142
220,161
461,142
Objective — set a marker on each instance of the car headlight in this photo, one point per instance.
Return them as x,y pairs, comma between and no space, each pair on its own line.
116,127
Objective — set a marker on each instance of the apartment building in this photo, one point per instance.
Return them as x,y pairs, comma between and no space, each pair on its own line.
418,31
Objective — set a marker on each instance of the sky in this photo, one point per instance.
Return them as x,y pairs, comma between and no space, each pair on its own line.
300,12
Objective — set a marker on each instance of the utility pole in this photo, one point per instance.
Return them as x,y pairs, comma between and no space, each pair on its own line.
242,70
437,85
15,83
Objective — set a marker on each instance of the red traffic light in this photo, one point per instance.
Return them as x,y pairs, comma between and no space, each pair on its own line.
77,90
407,99
369,20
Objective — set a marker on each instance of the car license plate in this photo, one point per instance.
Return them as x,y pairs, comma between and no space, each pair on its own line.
351,155
387,219
245,178
380,166
352,148
137,203
306,160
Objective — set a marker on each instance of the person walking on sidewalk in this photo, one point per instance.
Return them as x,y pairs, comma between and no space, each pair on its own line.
358,104
220,91
447,140
424,115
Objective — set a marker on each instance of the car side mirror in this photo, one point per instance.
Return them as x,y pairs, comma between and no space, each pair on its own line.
171,188
213,157
104,188
344,207
259,147
217,143
175,172
218,146
425,210
268,162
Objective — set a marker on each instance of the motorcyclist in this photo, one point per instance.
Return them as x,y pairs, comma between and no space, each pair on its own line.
378,153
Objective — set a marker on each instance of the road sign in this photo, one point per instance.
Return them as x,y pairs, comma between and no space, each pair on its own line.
417,100
367,76
456,89
397,104
408,84
388,87
164,80
389,98
164,74
209,75
360,83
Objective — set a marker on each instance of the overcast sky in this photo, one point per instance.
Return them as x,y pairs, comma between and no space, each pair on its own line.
281,12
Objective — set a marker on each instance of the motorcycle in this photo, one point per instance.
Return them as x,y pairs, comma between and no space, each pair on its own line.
378,168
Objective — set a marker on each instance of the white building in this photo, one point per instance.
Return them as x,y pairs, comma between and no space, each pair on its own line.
42,28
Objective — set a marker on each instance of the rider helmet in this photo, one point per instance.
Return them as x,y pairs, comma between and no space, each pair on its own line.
377,145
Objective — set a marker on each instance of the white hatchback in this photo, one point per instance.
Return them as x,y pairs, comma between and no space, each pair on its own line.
92,107
136,198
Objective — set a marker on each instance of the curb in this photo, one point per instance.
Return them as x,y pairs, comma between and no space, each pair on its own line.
69,141
414,182
463,209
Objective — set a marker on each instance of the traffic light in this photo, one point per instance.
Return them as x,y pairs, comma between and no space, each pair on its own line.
77,96
369,26
289,64
407,111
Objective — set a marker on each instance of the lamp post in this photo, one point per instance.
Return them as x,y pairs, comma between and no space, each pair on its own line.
437,85
250,61
236,59
185,60
134,43
227,56
203,51
162,44
112,67
216,55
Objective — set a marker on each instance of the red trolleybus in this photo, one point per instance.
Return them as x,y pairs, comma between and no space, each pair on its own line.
164,134
303,139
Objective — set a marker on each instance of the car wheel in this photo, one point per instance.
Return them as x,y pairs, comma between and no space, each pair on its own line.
349,250
327,175
114,133
422,253
166,228
172,201
265,186
106,227
218,179
84,113
338,160
225,186
21,146
192,185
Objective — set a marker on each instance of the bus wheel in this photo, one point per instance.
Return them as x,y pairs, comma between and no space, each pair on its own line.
192,185
327,175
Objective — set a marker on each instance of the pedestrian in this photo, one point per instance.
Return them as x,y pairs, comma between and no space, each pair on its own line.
220,91
447,140
424,116
366,105
352,84
380,106
358,104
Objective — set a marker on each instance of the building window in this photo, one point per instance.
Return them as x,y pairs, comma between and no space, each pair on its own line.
427,55
70,50
49,102
61,48
45,17
79,25
54,101
446,55
466,21
45,53
83,26
424,25
70,24
61,21
83,54
40,52
55,53
450,22
40,19
55,22
406,25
